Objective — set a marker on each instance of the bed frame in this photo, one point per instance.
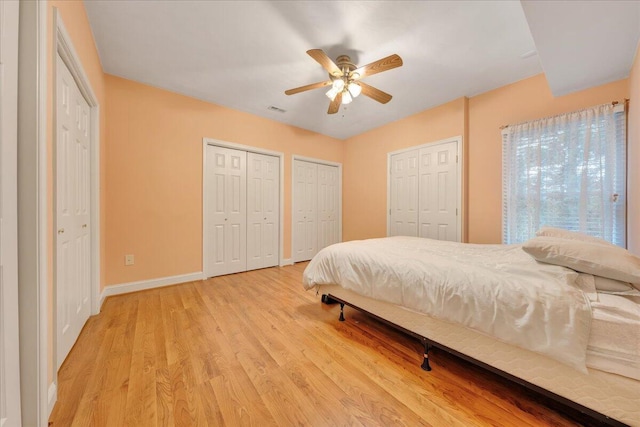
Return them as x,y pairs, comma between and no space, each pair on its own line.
605,398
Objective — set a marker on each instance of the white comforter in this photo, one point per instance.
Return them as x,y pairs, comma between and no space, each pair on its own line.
495,289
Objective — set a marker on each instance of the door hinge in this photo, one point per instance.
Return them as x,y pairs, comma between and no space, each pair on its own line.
456,158
389,212
456,211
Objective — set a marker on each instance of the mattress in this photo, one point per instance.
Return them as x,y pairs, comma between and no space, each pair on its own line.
614,341
612,395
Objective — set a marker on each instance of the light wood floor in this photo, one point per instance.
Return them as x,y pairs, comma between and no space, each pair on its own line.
256,349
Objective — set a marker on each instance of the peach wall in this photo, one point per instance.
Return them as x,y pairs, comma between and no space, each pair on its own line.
364,203
76,23
521,101
154,170
633,190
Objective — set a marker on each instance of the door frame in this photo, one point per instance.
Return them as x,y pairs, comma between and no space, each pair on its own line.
459,169
293,196
36,394
64,47
10,402
248,148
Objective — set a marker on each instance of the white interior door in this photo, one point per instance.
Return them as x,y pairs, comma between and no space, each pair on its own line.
305,187
9,356
404,194
438,200
328,215
263,210
226,204
73,268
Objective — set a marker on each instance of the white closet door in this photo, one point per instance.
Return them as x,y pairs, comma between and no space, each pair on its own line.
226,199
328,214
438,192
404,194
73,212
263,210
305,187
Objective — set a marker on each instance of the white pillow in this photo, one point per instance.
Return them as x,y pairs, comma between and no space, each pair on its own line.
610,261
571,235
615,287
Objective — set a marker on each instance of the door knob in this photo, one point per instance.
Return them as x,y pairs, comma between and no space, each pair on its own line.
225,219
84,225
265,217
60,231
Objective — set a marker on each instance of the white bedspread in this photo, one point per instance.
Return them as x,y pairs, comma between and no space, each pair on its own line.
495,289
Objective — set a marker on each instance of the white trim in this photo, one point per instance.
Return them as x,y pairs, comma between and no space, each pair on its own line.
52,397
314,160
43,218
459,169
10,396
142,285
32,208
285,262
248,148
293,195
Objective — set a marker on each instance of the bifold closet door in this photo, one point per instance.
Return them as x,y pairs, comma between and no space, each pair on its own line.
305,210
226,201
263,210
404,194
316,205
328,215
438,190
72,192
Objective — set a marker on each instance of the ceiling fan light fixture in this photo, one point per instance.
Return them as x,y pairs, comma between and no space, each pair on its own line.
346,97
338,84
332,93
354,89
344,79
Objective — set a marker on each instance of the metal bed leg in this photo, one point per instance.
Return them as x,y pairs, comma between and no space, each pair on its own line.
425,363
326,299
341,318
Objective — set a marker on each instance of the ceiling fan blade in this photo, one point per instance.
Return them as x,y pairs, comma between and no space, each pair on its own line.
335,104
307,87
373,93
384,64
325,61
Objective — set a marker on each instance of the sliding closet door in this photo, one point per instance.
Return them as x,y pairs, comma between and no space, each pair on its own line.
438,195
404,194
226,210
305,206
263,210
328,196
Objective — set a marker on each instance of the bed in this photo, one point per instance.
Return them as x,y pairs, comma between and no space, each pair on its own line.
582,346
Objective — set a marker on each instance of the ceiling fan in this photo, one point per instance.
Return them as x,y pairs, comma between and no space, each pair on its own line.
344,79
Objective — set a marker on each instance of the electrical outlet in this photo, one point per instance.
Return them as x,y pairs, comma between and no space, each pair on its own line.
128,260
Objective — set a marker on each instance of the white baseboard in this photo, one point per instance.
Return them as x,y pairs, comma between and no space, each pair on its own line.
52,398
287,261
125,288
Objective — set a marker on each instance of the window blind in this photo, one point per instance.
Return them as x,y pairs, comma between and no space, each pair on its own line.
566,171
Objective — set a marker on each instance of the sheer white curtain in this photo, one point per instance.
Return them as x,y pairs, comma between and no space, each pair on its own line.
566,171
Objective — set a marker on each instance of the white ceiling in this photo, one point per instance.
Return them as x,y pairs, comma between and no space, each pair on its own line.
245,54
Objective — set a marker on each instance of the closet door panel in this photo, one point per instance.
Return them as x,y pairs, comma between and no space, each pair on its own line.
438,192
305,210
263,210
226,177
328,215
404,194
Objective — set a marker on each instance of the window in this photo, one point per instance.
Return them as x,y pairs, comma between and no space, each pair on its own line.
567,171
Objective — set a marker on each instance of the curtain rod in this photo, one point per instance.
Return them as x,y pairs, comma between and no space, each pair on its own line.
626,102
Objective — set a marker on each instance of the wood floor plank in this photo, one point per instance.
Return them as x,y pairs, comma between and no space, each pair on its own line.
256,349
